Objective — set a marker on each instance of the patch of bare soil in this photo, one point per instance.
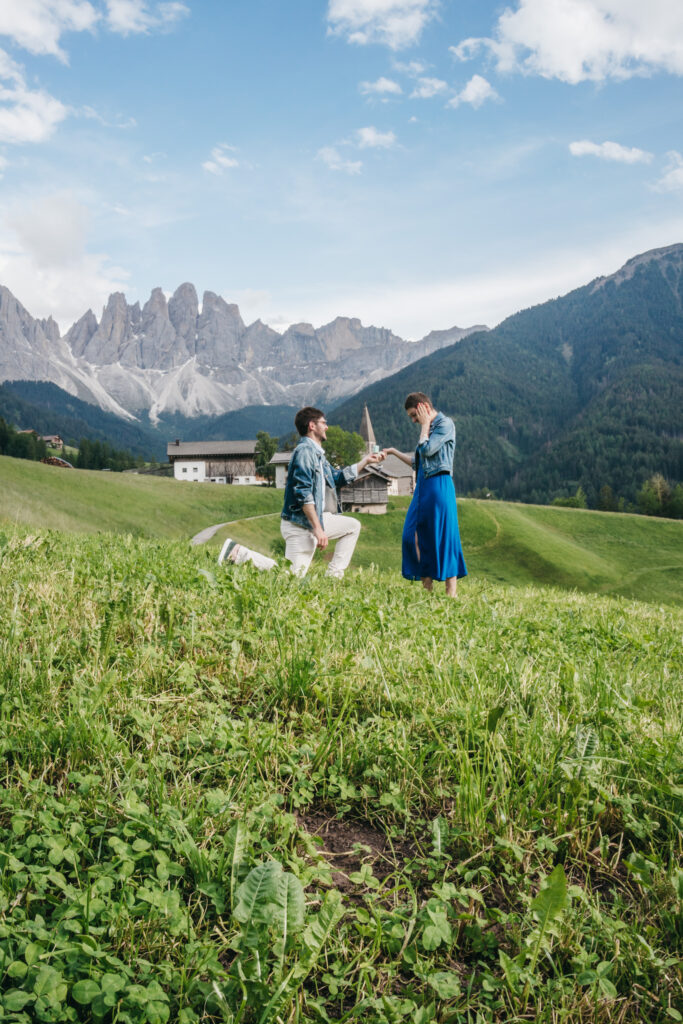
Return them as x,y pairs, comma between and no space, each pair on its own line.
348,845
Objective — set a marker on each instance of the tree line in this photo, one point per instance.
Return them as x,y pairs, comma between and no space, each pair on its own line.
90,455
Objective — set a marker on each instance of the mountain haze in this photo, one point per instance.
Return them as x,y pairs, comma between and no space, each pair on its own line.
583,390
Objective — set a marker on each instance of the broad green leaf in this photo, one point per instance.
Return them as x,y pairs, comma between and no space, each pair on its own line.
16,999
85,991
552,899
257,892
445,983
289,908
607,988
317,931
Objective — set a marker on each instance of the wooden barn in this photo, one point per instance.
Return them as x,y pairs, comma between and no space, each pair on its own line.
369,492
216,462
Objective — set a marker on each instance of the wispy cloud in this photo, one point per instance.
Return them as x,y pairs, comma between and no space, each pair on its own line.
93,115
672,179
221,160
476,92
585,40
393,23
428,87
37,25
381,87
610,151
332,158
26,115
134,16
414,68
46,264
371,138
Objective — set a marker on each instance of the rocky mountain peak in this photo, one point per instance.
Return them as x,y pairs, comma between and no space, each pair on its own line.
171,355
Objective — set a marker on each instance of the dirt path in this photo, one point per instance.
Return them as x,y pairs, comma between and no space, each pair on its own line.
207,534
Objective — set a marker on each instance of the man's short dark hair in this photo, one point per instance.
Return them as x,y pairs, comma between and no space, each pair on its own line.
416,398
305,417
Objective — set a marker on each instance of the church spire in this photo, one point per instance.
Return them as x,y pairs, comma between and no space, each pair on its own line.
366,431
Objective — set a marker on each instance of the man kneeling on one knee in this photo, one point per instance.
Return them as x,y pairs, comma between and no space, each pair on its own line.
311,514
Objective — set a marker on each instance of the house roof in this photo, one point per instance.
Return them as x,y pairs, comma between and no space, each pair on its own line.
395,467
209,449
280,459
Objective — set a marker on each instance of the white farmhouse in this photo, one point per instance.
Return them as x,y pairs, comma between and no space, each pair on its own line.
216,462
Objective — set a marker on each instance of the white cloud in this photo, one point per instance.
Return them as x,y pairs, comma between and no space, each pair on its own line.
220,159
36,25
428,87
672,179
44,262
26,115
414,68
394,23
380,87
370,138
333,159
128,16
585,40
610,151
476,92
92,115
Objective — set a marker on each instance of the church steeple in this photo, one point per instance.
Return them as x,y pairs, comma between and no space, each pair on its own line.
366,431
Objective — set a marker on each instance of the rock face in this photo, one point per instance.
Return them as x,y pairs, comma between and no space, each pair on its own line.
173,356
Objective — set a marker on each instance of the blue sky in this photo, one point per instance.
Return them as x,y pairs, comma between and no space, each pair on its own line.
419,164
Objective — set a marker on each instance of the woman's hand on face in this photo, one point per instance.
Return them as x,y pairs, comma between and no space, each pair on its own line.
423,413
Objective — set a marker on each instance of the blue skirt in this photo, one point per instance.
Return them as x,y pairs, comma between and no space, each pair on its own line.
432,521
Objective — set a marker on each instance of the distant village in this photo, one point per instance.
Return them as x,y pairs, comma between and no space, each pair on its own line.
234,462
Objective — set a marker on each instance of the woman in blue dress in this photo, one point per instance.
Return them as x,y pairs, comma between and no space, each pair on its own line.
431,538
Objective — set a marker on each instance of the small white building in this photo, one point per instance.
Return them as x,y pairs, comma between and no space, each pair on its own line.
216,462
281,462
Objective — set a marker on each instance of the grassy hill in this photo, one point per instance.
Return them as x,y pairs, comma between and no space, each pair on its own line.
88,501
597,552
625,555
231,796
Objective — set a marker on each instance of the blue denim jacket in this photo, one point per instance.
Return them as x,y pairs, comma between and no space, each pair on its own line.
437,452
308,472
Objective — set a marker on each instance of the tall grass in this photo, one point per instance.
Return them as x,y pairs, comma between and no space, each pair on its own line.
238,797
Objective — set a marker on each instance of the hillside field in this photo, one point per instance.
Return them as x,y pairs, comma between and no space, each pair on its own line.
604,553
239,797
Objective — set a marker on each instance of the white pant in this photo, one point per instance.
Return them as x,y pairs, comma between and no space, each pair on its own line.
301,544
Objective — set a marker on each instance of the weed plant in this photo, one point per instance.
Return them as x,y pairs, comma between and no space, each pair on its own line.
239,797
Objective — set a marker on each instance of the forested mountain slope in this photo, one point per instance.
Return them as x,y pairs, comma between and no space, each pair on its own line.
582,390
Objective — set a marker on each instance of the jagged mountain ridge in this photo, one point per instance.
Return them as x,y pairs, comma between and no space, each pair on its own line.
170,356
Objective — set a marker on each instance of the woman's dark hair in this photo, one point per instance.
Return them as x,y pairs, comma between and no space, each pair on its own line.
305,417
416,398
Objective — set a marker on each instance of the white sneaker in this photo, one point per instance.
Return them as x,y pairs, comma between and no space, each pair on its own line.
238,554
229,551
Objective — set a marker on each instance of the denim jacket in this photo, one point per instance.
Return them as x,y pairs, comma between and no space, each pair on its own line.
436,453
307,475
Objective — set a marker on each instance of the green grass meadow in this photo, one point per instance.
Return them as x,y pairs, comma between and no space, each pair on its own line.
230,796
